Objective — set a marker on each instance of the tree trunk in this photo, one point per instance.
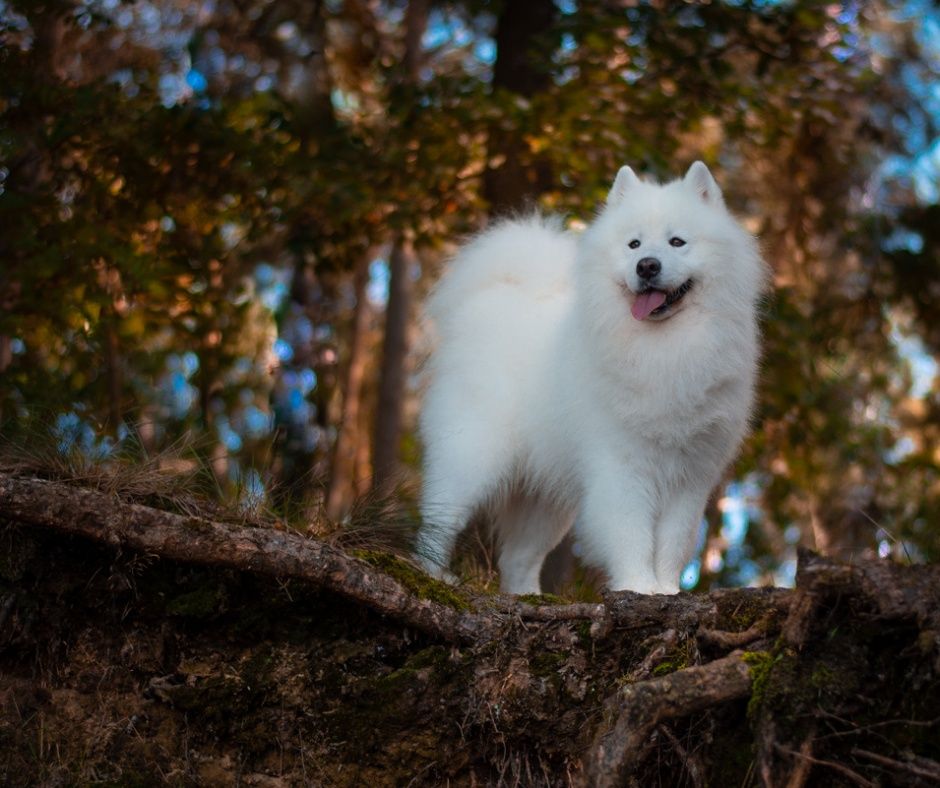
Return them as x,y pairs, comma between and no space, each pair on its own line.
341,492
138,643
393,375
394,370
525,40
114,374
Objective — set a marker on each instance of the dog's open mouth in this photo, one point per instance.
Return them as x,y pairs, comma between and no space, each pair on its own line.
655,303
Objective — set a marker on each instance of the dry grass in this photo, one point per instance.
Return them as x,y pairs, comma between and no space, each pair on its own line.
180,479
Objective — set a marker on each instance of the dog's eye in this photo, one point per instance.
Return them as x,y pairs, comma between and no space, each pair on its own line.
634,244
676,241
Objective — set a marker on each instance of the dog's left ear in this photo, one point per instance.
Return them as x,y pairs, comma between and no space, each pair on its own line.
700,179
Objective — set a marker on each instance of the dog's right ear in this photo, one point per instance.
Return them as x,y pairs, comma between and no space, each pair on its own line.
626,179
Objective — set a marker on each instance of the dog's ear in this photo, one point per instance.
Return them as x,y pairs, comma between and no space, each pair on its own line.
626,179
700,179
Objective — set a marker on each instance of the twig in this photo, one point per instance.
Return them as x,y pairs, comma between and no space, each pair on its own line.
691,764
845,771
924,767
800,774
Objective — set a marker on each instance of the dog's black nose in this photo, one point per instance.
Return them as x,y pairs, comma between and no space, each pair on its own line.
648,268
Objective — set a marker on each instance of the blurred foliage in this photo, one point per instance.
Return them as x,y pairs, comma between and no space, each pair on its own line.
187,187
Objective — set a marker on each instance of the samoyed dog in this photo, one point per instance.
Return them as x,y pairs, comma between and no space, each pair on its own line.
601,382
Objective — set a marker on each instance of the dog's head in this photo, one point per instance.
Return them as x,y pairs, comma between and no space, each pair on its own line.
672,247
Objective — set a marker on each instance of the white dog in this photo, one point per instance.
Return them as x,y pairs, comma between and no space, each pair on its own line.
602,381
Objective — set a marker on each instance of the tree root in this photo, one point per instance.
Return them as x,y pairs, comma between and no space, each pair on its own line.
645,705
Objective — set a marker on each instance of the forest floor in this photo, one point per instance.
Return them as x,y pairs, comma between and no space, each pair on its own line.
141,646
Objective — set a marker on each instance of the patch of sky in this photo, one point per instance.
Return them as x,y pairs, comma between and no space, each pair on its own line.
241,367
283,350
125,17
228,437
301,330
175,391
311,438
256,423
923,366
149,18
180,394
167,224
343,101
691,575
286,31
735,518
172,89
693,570
903,239
75,435
196,80
307,380
567,7
485,51
902,449
189,363
17,346
843,53
847,14
231,234
272,285
689,17
785,573
377,289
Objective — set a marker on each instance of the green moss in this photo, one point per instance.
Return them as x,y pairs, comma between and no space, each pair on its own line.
542,599
201,603
583,629
547,664
823,677
738,615
760,664
431,657
668,666
678,658
414,579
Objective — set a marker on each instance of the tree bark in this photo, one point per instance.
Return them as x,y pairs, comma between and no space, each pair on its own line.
341,493
394,371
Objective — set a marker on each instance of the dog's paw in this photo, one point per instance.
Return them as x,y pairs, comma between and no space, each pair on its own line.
437,571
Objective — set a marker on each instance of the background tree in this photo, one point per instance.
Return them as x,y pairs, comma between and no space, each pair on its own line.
208,211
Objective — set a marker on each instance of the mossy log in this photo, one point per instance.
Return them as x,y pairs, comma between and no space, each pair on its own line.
140,646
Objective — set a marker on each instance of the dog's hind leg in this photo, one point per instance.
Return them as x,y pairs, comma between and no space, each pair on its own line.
461,476
527,531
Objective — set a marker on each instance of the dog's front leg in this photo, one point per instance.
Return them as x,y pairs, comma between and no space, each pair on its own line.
616,527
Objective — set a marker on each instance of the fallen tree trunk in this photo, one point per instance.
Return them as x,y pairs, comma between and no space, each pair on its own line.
141,644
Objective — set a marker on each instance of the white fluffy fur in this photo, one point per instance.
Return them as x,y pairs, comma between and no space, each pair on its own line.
549,405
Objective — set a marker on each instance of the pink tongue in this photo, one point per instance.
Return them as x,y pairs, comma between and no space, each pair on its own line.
647,302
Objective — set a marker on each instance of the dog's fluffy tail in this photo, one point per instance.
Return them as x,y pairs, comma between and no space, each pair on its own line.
533,253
